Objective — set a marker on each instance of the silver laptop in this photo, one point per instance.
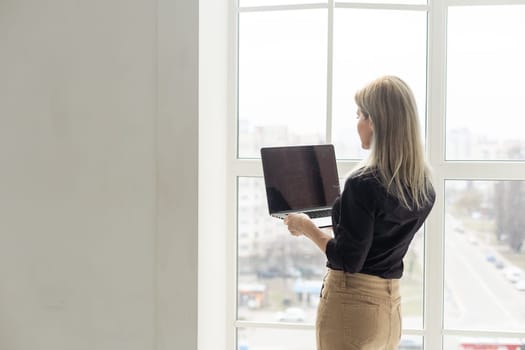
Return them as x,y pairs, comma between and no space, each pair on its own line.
301,179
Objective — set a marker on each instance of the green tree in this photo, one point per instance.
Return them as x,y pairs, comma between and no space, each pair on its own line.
509,197
468,201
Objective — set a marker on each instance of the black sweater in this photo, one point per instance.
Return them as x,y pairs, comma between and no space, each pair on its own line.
372,230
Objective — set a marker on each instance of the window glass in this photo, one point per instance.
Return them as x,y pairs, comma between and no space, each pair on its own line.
411,286
275,339
368,44
280,276
282,79
410,342
247,3
397,2
286,339
484,255
485,74
472,343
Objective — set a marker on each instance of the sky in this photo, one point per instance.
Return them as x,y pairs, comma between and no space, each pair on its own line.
282,74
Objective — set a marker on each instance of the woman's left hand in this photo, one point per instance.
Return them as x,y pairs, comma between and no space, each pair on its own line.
298,224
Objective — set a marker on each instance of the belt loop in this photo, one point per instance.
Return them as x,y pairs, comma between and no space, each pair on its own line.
343,283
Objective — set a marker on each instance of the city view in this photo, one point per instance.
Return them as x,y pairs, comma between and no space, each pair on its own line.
280,276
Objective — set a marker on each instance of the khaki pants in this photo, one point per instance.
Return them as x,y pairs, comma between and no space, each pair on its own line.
358,312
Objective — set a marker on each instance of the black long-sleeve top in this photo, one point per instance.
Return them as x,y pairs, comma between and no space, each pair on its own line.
372,230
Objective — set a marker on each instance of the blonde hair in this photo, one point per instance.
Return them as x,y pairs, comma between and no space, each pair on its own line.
396,153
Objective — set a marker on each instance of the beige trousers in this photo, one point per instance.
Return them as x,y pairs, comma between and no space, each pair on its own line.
358,312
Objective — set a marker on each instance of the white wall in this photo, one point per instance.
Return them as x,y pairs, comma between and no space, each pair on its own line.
90,257
216,115
178,119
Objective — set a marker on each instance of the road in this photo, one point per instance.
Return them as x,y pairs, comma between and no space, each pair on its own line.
477,297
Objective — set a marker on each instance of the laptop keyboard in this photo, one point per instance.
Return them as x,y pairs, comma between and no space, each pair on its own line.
319,213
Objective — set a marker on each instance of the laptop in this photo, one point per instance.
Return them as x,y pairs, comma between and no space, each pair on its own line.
301,179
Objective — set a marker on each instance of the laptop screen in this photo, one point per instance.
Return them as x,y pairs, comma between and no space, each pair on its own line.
300,177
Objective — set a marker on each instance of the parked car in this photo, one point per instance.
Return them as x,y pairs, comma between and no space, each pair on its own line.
499,264
409,344
311,272
291,314
520,285
273,272
513,274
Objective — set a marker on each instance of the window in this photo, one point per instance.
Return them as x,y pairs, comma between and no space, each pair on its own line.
485,74
394,42
484,260
298,66
282,78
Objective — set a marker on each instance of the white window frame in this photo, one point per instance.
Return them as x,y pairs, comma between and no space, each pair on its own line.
433,331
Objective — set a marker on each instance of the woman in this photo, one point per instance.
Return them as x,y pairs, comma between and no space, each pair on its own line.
383,204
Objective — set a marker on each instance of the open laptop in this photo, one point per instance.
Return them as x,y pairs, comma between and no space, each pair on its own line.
301,179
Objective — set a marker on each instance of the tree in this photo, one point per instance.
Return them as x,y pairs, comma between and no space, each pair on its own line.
510,213
469,201
500,209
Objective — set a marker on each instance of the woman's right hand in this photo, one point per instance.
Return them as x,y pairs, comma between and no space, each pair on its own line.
298,224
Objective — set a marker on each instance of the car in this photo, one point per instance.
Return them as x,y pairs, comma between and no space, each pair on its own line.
269,272
513,274
291,314
311,272
274,272
520,285
409,344
499,264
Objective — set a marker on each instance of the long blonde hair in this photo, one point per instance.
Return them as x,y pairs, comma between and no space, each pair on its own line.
396,152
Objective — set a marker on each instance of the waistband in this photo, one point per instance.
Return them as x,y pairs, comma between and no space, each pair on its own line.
364,284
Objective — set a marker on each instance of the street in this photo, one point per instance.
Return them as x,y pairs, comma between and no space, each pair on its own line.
477,297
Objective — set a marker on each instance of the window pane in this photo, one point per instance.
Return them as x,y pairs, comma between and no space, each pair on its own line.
471,343
398,2
368,44
287,339
410,342
484,255
247,3
282,79
280,276
275,339
485,74
412,283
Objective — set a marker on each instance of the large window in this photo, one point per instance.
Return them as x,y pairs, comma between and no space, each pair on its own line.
369,43
485,73
484,260
282,78
299,63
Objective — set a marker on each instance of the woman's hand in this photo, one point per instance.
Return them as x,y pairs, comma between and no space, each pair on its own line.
299,224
